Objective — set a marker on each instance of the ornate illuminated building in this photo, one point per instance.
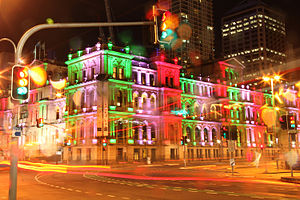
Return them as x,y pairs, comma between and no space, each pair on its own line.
254,32
35,142
141,107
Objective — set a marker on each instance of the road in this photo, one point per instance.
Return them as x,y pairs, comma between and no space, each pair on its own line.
207,185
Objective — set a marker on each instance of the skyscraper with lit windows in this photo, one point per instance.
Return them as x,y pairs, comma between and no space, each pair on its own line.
256,33
197,17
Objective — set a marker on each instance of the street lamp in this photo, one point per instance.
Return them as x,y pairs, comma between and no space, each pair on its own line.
271,79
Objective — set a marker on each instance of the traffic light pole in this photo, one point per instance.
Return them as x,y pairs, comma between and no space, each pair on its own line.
18,53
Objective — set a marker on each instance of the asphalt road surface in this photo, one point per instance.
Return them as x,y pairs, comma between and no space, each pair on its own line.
43,186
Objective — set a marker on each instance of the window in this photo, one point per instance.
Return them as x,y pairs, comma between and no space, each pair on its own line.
114,72
152,81
119,98
92,73
197,134
57,113
144,132
189,133
136,132
134,77
143,78
205,135
153,136
83,74
171,82
120,73
167,81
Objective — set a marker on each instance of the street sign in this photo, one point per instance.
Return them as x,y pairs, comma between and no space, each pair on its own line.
232,162
17,132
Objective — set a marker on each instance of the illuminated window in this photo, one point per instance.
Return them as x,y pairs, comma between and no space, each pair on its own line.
143,78
120,73
152,80
119,98
114,72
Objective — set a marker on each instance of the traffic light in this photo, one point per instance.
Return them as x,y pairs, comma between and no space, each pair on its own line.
291,122
283,121
20,83
165,24
40,122
104,143
224,132
184,140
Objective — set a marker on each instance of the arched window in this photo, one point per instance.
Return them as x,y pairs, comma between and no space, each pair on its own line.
205,135
153,102
144,102
92,96
83,99
119,98
213,112
214,135
197,109
188,109
135,131
144,132
135,101
153,135
198,134
189,133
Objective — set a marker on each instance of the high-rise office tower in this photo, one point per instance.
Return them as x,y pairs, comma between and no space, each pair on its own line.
195,41
254,32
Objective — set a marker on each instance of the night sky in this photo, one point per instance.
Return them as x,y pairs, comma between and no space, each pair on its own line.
17,16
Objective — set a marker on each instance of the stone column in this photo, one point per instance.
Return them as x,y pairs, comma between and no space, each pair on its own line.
139,77
140,133
148,133
147,79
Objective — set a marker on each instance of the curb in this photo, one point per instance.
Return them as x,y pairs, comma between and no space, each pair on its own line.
291,179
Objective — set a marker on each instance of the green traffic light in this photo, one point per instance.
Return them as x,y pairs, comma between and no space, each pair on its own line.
22,91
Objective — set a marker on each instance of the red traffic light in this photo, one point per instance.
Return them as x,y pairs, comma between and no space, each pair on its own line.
20,81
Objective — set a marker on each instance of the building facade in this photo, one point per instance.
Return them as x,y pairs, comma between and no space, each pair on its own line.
255,33
142,107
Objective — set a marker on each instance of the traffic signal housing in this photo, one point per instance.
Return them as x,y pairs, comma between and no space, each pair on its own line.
225,132
104,144
20,82
40,122
184,140
283,122
165,24
291,122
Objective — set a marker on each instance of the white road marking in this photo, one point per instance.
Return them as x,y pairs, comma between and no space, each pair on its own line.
125,198
99,194
112,196
77,190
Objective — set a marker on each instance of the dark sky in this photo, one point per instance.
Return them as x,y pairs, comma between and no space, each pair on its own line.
16,16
